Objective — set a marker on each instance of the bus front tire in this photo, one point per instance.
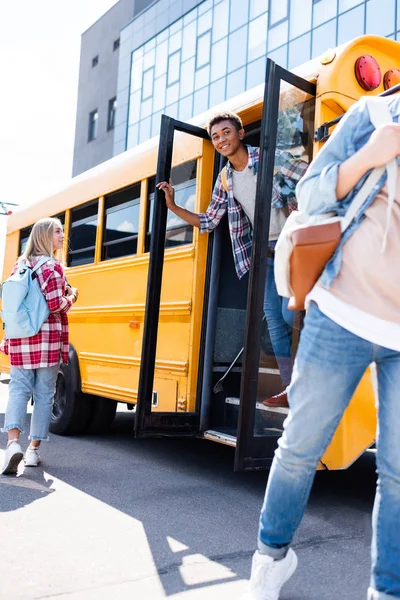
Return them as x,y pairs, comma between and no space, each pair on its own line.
72,409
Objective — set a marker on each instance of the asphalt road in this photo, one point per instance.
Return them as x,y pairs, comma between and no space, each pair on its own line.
112,517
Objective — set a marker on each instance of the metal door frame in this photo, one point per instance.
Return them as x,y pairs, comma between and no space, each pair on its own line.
253,452
146,421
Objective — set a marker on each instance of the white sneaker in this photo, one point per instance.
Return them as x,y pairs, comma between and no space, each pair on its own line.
268,576
31,458
12,458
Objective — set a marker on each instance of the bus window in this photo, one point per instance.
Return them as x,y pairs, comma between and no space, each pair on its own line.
121,222
23,239
60,217
178,232
82,238
184,181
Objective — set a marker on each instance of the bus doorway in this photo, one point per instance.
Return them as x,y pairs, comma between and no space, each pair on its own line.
241,367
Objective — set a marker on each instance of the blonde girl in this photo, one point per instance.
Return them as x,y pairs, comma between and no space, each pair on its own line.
35,360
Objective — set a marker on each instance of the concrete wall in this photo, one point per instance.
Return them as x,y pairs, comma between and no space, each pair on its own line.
97,85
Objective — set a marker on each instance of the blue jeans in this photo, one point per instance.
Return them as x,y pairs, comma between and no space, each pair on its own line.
25,383
329,365
280,324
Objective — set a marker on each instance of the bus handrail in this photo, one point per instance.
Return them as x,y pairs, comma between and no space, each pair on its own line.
322,133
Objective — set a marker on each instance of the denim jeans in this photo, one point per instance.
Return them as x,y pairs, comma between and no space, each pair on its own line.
329,365
25,383
280,324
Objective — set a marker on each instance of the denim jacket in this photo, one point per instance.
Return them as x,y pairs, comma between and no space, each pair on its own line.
316,191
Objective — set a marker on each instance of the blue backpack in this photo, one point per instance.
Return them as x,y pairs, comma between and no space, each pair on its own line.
24,306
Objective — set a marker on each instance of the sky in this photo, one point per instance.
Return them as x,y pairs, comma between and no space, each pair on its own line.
39,67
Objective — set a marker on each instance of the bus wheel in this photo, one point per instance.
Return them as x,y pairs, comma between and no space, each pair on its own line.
71,408
103,415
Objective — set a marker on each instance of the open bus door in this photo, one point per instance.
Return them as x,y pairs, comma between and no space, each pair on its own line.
150,421
287,125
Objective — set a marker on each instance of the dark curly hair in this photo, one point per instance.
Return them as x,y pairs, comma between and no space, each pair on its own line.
225,116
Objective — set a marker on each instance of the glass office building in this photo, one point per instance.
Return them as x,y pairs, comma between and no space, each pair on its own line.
182,57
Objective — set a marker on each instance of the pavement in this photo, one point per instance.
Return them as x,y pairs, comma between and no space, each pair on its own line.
113,517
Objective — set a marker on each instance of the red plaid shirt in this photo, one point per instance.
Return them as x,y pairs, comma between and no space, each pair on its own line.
50,345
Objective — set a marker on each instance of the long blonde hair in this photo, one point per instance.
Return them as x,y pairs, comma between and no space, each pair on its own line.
40,241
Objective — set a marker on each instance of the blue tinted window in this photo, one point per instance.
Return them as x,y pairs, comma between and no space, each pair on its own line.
202,77
217,91
278,36
204,23
156,123
237,46
161,59
147,107
257,7
255,73
174,62
346,4
236,83
380,17
258,37
351,24
134,107
187,77
300,17
279,56
189,41
186,108
160,85
221,21
172,93
147,85
145,126
324,10
203,49
218,59
239,14
133,136
200,101
278,10
324,37
136,74
299,51
175,42
172,110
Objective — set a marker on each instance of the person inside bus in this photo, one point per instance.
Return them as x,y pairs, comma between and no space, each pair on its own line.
353,320
235,192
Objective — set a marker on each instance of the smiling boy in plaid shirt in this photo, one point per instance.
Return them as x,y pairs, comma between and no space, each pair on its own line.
235,192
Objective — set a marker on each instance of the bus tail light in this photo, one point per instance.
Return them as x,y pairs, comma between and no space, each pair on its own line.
391,78
368,73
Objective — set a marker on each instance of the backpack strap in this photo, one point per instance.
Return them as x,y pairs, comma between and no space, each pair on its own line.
41,262
379,115
224,179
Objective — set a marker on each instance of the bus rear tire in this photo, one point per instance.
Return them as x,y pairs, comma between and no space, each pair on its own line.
103,415
72,409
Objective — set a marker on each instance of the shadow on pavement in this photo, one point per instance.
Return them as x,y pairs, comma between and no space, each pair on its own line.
186,490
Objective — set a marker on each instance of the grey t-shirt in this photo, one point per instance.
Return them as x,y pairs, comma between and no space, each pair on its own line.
244,190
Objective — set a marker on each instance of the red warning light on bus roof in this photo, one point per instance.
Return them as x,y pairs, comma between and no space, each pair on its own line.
391,78
368,73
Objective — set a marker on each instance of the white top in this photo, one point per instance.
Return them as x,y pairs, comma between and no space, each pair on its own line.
244,191
366,326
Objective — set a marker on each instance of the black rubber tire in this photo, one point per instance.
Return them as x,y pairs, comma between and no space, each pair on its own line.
72,410
102,416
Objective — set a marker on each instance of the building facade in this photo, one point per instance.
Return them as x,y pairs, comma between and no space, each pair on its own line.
180,57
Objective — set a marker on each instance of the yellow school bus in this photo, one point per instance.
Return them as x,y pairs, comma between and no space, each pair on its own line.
162,318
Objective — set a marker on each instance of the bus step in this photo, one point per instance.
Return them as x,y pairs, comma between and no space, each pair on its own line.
221,437
266,418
